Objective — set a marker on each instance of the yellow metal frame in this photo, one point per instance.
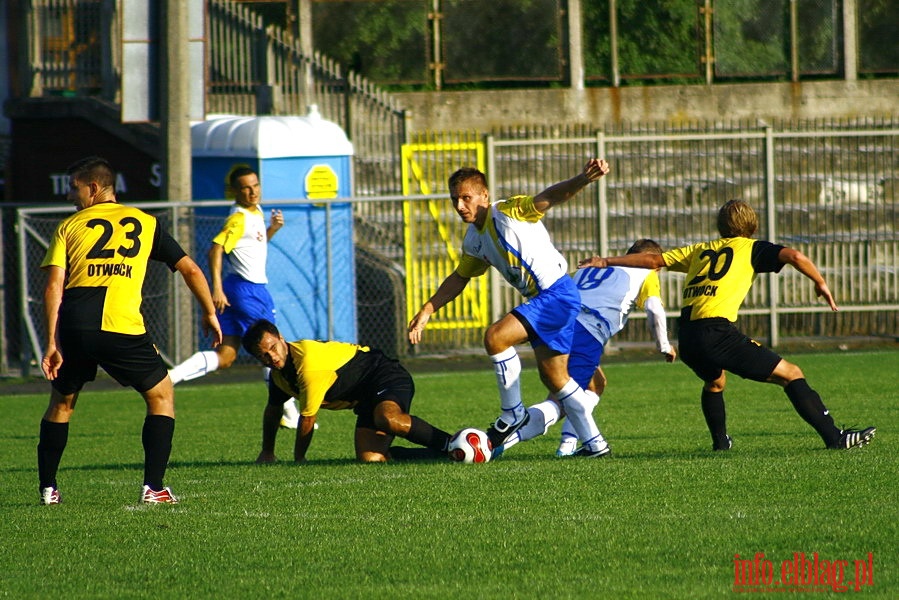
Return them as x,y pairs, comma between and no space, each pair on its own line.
425,271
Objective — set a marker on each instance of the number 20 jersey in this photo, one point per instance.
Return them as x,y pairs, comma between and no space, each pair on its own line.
720,273
105,249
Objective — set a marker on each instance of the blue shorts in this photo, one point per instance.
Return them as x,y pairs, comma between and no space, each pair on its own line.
249,303
586,352
550,316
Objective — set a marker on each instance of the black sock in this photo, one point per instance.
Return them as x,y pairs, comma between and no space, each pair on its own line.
157,439
715,418
424,434
403,453
808,404
53,440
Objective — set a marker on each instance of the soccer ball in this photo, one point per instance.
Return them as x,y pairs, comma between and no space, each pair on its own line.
470,445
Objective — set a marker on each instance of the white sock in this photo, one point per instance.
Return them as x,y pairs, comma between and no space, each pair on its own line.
290,410
578,406
543,416
507,367
196,366
568,432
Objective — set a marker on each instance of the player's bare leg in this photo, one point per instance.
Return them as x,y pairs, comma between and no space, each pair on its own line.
372,446
390,417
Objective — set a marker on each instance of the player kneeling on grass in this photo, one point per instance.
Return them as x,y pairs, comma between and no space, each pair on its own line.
719,275
339,376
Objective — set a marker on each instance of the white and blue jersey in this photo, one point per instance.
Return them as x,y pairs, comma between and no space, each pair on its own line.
607,297
515,243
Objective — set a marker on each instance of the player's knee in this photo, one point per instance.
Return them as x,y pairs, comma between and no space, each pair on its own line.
791,372
390,418
372,457
226,360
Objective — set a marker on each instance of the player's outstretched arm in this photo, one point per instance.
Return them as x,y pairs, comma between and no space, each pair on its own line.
451,287
804,265
564,190
644,260
196,282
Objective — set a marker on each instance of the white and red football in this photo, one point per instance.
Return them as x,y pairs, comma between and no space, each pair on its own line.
470,445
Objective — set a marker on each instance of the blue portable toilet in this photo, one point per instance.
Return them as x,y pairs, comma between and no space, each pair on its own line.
296,157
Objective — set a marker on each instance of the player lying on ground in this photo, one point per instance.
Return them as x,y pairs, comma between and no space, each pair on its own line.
719,275
338,376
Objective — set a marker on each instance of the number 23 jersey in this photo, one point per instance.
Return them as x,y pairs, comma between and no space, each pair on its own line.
105,249
720,273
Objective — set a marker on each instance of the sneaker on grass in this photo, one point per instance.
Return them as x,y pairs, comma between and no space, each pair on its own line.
50,495
854,438
163,496
501,431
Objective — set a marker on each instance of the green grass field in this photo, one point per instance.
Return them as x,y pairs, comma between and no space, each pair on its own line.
663,518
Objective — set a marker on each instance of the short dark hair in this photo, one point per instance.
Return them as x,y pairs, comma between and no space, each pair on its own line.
254,333
238,173
464,174
93,168
645,245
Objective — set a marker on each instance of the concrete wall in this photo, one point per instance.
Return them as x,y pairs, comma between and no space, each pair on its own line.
603,106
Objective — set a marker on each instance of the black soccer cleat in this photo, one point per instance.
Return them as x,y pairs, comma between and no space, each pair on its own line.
500,431
586,452
854,438
726,444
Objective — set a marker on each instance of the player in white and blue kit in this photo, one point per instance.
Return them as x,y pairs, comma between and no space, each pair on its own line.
607,297
242,296
509,236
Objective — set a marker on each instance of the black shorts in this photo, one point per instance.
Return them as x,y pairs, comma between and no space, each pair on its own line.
709,346
132,360
387,380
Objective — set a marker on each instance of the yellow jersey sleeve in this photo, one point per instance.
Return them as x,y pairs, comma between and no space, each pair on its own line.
231,231
316,365
650,287
520,208
471,266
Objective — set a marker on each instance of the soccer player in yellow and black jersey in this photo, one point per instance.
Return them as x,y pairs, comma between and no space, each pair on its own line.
339,376
95,265
719,275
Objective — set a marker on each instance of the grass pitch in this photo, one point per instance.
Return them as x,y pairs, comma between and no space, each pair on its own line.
663,518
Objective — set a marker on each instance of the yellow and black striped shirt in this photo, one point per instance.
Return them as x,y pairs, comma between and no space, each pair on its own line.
720,273
105,249
321,375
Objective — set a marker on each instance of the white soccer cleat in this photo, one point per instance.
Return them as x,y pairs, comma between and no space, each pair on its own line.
50,495
567,447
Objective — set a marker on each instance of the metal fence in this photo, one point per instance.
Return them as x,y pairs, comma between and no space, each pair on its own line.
428,42
829,190
258,69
